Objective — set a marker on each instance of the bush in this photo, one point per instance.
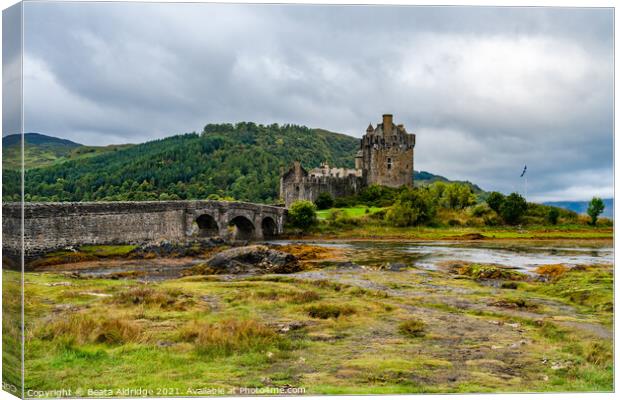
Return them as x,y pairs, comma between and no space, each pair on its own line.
480,210
495,201
552,216
412,328
302,214
513,208
379,196
595,208
413,207
324,201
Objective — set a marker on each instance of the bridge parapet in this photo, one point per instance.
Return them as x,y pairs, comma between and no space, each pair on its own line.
49,226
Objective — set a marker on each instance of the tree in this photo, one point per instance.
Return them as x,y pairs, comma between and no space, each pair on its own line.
302,214
513,208
553,216
413,207
495,201
324,201
595,208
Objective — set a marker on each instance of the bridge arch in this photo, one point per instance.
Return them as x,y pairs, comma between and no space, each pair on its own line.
243,228
269,227
207,225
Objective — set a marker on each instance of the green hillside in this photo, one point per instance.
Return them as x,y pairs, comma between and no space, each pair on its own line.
242,161
42,150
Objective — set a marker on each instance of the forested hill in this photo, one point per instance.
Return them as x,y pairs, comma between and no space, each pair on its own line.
242,161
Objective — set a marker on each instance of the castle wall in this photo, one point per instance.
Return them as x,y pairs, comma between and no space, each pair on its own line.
309,188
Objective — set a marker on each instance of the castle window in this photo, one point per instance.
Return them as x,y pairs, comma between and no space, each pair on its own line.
297,188
389,163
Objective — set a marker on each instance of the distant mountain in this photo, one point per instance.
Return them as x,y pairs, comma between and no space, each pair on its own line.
43,150
581,207
38,139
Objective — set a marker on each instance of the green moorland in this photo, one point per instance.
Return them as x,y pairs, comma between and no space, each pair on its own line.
463,328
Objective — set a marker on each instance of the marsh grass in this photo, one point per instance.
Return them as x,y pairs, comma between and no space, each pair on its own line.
330,310
163,298
228,337
412,328
81,328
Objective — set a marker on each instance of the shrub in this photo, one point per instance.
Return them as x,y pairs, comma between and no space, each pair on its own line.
412,328
480,210
302,214
495,201
328,310
324,201
552,216
513,208
595,208
413,207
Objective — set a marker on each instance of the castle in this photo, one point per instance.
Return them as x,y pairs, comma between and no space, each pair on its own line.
385,158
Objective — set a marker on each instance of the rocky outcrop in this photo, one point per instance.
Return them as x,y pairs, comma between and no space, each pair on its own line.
257,259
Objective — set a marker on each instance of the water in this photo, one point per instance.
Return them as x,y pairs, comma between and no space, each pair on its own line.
524,257
426,255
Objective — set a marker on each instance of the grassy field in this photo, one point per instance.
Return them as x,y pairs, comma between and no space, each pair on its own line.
382,231
366,331
354,212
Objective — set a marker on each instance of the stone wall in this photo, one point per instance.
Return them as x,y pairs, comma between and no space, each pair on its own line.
49,226
310,187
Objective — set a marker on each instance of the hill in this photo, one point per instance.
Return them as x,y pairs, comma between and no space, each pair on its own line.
423,178
43,150
580,207
242,161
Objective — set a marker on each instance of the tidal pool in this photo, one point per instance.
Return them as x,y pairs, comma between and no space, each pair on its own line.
521,256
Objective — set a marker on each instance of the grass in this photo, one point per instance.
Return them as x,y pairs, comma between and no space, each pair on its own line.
369,228
327,310
346,332
223,338
81,328
412,328
353,212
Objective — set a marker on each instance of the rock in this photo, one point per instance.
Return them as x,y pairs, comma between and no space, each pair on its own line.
253,259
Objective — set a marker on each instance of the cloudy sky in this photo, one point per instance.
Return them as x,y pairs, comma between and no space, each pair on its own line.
486,90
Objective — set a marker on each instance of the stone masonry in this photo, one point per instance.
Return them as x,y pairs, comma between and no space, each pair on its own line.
49,226
385,158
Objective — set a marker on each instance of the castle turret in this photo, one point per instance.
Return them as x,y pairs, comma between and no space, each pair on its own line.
387,124
388,159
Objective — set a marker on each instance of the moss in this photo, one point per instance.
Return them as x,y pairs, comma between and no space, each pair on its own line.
484,271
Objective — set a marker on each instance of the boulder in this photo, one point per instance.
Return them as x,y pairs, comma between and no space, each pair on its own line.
253,259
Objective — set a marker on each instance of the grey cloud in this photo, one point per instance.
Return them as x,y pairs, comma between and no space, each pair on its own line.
486,89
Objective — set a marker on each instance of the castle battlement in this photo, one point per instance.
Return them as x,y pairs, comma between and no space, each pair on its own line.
385,158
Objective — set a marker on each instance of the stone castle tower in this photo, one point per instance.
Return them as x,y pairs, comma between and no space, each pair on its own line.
386,154
385,158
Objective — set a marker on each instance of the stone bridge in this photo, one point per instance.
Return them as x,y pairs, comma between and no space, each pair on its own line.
49,226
